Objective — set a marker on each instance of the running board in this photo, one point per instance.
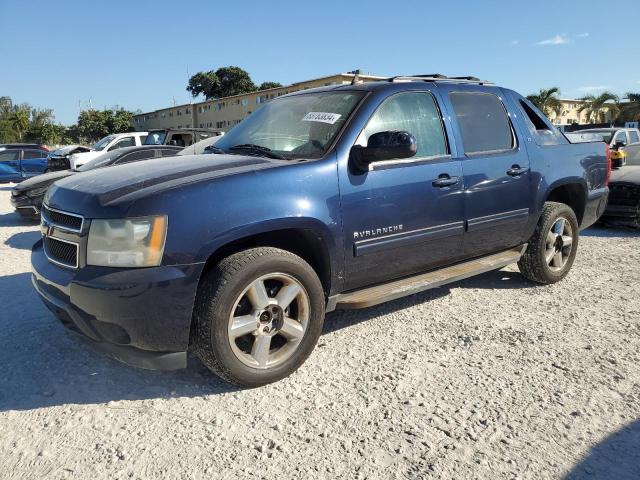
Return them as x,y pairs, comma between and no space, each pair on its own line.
408,286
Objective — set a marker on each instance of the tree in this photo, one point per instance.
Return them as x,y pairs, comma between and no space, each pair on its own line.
95,124
547,101
205,83
631,111
596,108
234,81
52,134
20,121
266,85
223,82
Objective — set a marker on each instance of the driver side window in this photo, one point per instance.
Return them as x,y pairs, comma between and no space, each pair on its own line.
413,112
620,137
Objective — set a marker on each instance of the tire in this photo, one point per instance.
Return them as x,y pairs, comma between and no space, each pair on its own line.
549,255
235,324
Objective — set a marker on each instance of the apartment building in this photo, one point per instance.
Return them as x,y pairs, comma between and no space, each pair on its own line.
224,113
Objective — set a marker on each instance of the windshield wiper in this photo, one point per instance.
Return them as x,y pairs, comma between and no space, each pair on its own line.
260,150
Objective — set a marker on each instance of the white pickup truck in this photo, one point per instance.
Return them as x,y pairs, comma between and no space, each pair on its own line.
108,143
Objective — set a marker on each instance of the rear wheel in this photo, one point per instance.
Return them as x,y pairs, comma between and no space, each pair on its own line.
553,246
258,316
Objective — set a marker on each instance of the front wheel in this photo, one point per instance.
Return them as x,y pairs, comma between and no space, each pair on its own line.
553,245
258,316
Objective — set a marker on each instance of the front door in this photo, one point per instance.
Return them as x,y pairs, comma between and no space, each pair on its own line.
403,216
10,166
497,179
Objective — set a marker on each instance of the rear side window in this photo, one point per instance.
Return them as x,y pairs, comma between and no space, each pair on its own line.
483,121
31,154
416,113
135,156
165,152
634,137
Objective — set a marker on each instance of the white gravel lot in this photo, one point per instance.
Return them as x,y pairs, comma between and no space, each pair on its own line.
487,378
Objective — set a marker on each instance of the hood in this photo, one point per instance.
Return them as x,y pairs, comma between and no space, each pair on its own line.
43,180
110,191
69,149
627,174
82,157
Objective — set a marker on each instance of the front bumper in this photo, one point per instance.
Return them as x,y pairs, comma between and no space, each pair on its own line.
139,316
27,206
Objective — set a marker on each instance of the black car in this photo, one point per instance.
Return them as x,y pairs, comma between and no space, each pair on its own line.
623,208
27,196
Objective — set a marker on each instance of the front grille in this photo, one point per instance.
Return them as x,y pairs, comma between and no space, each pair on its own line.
61,252
61,219
58,163
627,195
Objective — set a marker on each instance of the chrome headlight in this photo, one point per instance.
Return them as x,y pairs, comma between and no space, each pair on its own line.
130,242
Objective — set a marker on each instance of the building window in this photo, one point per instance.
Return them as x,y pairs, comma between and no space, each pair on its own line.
187,111
171,114
244,102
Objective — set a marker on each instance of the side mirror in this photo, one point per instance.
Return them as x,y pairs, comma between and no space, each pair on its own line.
384,146
619,144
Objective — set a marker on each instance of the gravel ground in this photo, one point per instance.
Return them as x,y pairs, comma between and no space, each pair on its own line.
487,378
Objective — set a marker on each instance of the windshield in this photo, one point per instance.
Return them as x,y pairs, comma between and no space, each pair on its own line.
100,161
155,138
100,145
300,126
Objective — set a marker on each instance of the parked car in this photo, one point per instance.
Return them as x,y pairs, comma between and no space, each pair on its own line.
106,144
181,137
59,159
625,142
26,197
336,197
623,208
21,160
203,146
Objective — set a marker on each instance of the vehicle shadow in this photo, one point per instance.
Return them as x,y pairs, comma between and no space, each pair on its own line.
498,279
45,365
15,220
23,240
610,232
6,188
616,457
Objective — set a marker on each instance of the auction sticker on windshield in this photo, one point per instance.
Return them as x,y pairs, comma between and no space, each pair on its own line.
323,117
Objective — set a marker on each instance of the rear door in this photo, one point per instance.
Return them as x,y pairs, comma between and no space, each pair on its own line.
10,166
34,162
495,167
403,216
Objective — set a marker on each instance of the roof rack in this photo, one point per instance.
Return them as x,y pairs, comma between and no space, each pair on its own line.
438,77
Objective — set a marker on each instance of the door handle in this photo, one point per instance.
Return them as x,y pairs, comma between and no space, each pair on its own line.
515,170
444,180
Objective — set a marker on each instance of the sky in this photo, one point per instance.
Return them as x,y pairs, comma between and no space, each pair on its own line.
139,54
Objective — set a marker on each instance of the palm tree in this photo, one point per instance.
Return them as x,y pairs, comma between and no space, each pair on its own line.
631,110
596,108
20,122
547,101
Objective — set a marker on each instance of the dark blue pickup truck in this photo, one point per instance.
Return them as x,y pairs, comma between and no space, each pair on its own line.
338,197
